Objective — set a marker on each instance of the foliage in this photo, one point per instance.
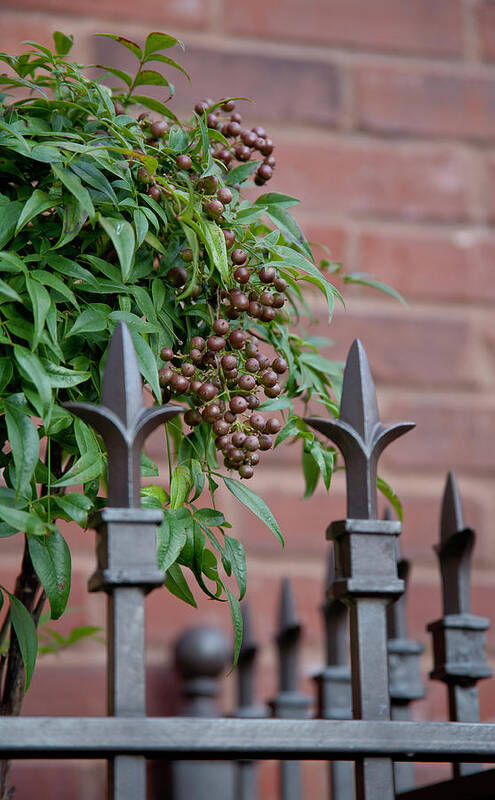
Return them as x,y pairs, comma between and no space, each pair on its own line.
108,215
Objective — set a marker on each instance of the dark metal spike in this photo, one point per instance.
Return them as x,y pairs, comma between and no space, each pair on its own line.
122,419
359,434
122,390
452,517
358,405
288,622
454,552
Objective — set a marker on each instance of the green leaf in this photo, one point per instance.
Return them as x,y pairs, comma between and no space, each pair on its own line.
147,362
91,320
121,234
210,517
32,370
198,478
119,73
25,631
7,291
51,559
141,225
159,41
255,504
54,282
177,585
276,199
154,105
364,279
219,249
21,520
95,178
179,486
87,468
311,472
391,496
171,536
132,46
150,77
170,62
241,173
23,439
287,224
237,623
9,215
73,183
38,202
75,506
41,302
237,557
63,43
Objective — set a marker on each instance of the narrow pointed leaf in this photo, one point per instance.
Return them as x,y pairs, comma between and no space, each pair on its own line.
255,504
51,559
121,234
25,631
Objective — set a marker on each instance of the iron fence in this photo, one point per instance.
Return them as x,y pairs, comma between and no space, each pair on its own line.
366,576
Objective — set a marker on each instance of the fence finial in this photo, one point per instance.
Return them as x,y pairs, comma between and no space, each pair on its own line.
122,419
454,552
359,434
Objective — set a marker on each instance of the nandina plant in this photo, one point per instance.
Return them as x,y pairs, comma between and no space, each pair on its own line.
114,209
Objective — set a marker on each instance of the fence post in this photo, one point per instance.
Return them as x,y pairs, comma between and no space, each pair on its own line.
247,707
404,670
289,703
459,636
201,656
126,544
334,682
365,557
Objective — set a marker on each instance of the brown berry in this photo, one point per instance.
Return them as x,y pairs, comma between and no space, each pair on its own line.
208,184
233,129
267,274
248,138
212,121
216,343
243,153
247,383
228,361
220,326
236,339
242,274
246,471
238,256
179,384
270,160
119,108
279,364
221,441
229,416
194,386
266,148
253,402
196,355
266,299
184,162
238,404
192,417
251,443
268,314
259,131
167,354
214,209
224,195
177,276
265,172
273,391
252,364
273,425
165,376
143,175
155,193
207,391
198,343
225,156
236,117
211,412
279,300
265,441
239,301
238,438
268,377
188,370
229,238
158,128
255,309
257,421
229,105
221,427
236,455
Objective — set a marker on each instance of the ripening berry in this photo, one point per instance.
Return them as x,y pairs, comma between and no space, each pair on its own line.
177,276
221,326
192,417
238,404
238,438
229,238
242,274
279,364
257,421
273,391
221,427
237,338
165,376
216,343
247,383
238,256
179,384
251,443
198,343
273,425
158,128
188,370
207,391
268,314
214,209
267,274
224,195
265,441
166,353
228,361
246,471
184,162
155,193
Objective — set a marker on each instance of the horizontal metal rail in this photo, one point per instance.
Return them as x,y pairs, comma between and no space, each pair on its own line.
182,738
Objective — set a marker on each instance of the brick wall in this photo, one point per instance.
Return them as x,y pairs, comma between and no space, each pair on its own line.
383,114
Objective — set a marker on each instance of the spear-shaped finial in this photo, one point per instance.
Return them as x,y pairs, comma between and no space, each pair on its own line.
289,630
122,419
454,552
359,434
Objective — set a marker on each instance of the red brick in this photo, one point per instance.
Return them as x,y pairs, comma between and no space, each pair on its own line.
56,780
412,26
193,13
485,12
450,434
489,186
298,89
455,267
407,347
426,102
368,179
16,28
327,241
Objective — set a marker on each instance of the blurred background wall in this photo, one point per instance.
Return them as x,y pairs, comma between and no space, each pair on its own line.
383,116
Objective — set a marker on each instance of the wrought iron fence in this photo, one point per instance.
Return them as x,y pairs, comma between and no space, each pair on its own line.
366,582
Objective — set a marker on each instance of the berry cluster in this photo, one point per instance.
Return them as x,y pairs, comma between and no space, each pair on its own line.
223,375
245,143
